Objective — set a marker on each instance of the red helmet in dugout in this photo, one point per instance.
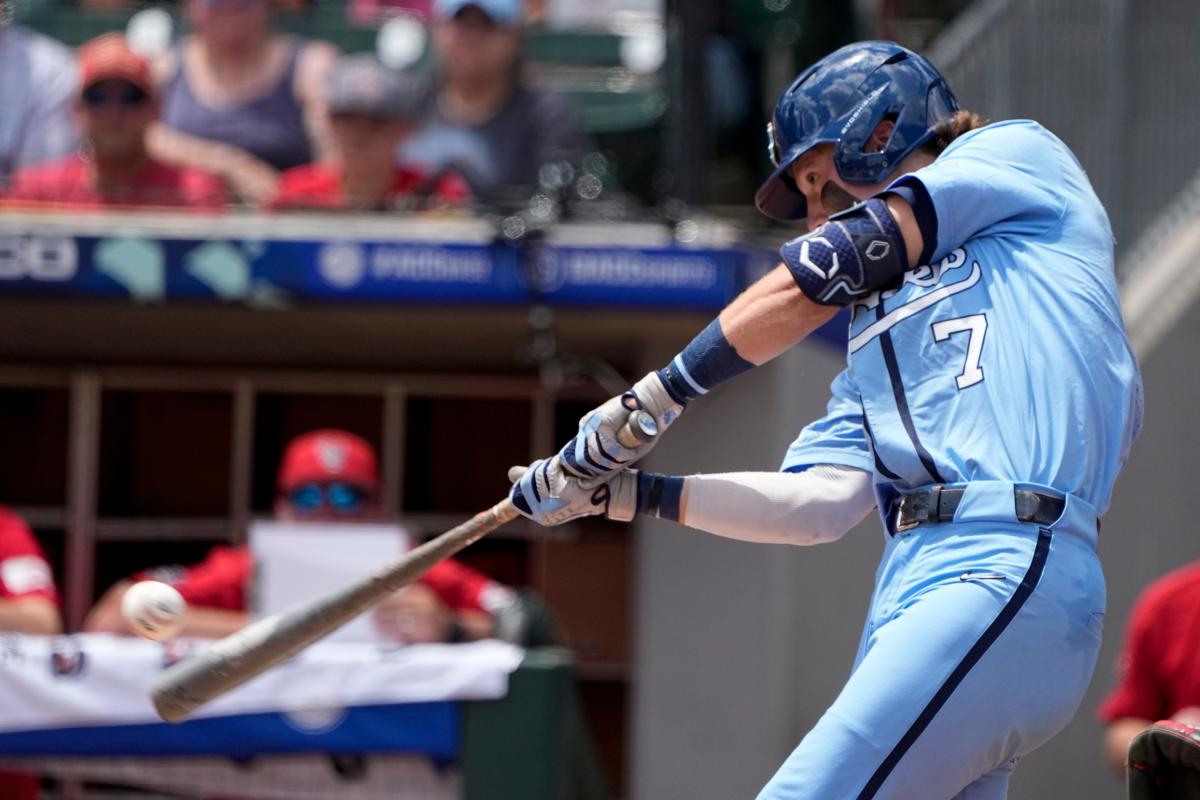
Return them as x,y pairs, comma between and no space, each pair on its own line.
328,455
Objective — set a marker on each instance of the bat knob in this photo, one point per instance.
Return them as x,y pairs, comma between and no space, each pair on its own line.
640,428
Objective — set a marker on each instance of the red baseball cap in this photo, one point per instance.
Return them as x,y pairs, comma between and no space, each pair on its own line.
108,57
328,455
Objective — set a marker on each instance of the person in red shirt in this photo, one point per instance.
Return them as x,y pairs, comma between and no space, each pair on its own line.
1159,675
371,111
28,599
325,476
115,108
28,604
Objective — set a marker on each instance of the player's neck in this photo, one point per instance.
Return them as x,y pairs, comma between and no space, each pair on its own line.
915,161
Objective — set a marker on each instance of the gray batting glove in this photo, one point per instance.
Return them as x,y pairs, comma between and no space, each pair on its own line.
594,455
546,494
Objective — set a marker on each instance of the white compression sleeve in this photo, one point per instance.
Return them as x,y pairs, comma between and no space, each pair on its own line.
810,507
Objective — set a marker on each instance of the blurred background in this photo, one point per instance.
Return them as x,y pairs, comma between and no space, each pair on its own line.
228,223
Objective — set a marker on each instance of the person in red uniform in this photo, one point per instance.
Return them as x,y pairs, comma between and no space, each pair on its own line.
325,476
371,111
116,106
28,604
1159,677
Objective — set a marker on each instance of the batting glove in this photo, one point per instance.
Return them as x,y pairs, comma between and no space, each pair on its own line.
549,496
594,455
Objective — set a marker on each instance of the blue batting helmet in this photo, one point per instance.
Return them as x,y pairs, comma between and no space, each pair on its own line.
840,100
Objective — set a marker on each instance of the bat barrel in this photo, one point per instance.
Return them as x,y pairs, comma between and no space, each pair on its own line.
234,660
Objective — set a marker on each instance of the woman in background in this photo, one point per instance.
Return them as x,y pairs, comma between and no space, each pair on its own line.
240,99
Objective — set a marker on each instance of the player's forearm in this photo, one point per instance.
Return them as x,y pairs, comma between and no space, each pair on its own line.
1116,741
762,322
35,615
810,507
771,316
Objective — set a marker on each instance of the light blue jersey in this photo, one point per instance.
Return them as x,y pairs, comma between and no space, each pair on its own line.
1006,357
1003,365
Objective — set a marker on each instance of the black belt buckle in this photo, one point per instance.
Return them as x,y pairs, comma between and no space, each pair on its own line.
1038,507
918,507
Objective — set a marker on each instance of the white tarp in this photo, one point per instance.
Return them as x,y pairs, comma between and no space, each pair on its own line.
92,679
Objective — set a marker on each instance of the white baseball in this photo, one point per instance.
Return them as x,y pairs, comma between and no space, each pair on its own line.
153,609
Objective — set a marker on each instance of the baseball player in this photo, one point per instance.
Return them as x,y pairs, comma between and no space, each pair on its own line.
989,400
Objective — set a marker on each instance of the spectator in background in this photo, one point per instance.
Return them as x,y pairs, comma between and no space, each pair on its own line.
479,117
326,476
28,604
35,97
240,99
1159,670
371,110
114,109
28,599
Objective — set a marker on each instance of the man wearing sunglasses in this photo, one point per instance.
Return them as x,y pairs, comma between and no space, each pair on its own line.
325,476
113,111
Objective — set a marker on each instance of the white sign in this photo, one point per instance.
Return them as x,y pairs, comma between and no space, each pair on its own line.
298,561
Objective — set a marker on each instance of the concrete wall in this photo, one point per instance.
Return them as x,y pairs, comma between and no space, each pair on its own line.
740,647
1150,530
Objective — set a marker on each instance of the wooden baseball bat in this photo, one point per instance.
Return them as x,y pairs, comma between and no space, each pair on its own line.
182,688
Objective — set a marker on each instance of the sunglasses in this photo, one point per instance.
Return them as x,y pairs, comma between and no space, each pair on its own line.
341,498
125,95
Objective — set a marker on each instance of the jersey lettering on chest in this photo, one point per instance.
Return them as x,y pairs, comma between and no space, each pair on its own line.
923,277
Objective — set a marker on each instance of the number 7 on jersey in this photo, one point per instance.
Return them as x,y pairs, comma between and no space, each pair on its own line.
974,325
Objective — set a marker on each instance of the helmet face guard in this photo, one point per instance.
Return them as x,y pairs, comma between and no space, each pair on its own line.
841,100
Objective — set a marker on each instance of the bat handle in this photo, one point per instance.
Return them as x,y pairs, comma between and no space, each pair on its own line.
637,430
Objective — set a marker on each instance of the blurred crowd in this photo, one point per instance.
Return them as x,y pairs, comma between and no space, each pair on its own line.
236,112
554,107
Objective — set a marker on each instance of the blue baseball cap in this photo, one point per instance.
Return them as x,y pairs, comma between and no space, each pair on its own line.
503,12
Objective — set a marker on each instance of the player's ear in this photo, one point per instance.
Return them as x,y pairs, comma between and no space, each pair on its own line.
880,136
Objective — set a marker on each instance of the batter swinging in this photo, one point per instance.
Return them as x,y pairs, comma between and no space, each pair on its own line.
989,400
